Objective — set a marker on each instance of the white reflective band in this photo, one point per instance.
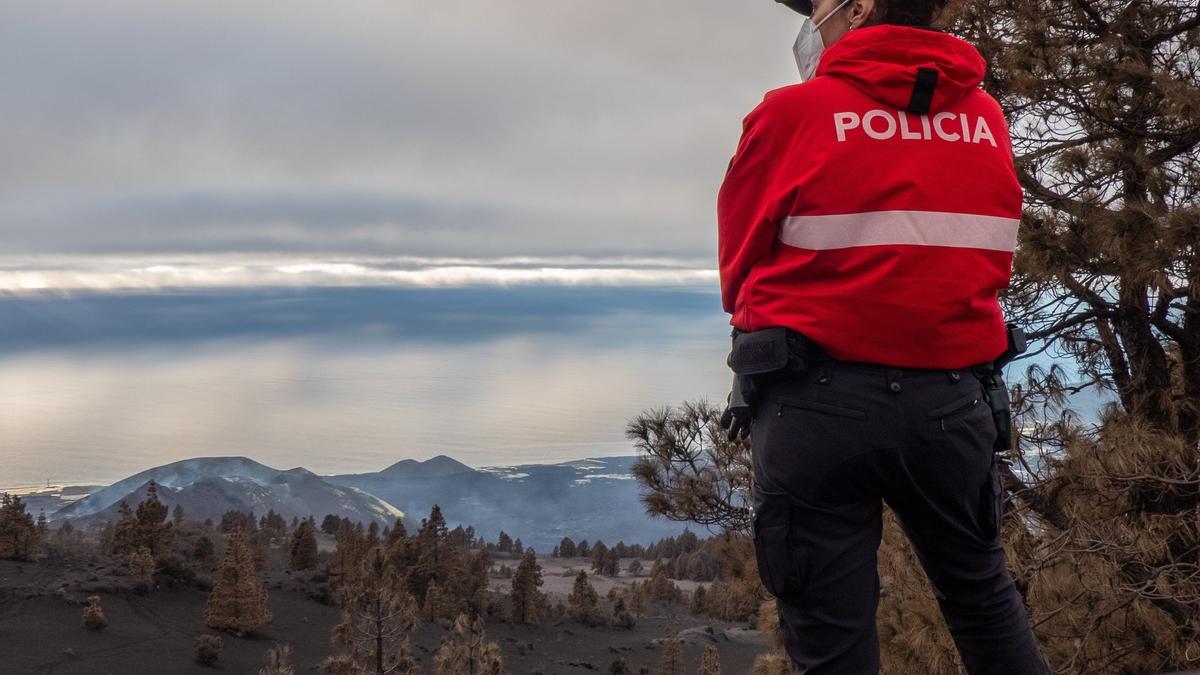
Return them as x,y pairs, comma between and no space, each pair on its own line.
873,228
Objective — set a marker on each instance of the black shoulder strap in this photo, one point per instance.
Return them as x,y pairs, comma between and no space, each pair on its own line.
922,94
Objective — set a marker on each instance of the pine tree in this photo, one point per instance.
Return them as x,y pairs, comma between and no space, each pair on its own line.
104,538
670,660
125,531
611,565
466,650
238,601
525,595
259,543
434,602
42,527
660,587
234,519
151,529
330,524
303,551
599,551
583,600
566,548
637,598
436,562
205,550
710,661
473,589
436,523
70,541
177,515
621,618
378,615
697,604
141,566
1104,100
396,533
273,525
351,547
19,538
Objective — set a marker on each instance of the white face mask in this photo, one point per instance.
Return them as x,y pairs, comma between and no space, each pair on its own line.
809,44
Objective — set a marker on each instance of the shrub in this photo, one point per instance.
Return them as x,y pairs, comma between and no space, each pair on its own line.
278,661
207,649
178,569
93,614
337,665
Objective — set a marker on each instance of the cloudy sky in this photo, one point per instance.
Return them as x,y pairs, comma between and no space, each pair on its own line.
341,234
346,131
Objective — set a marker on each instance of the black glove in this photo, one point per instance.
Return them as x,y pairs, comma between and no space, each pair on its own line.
736,417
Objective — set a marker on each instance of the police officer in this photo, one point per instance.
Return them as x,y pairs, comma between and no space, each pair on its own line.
866,224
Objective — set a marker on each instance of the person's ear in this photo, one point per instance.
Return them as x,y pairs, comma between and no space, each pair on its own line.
860,13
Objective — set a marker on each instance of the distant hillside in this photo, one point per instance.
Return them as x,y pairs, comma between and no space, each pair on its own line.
207,487
592,498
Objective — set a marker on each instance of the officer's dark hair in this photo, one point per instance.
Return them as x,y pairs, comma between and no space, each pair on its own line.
909,12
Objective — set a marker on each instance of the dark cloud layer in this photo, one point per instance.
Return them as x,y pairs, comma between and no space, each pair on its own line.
342,317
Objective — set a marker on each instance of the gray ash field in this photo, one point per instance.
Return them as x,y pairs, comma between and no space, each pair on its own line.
41,630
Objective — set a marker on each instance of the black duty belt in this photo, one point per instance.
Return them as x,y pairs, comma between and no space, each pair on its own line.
778,352
782,350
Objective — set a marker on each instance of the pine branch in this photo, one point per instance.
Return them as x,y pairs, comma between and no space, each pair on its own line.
1073,207
1099,25
1091,297
1155,39
1070,322
1055,148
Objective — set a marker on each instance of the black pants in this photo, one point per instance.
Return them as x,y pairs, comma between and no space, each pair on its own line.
828,446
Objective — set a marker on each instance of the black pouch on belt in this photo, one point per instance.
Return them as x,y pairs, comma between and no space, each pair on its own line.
763,351
759,356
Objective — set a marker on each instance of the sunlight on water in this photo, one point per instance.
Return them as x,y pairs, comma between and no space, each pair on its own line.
532,384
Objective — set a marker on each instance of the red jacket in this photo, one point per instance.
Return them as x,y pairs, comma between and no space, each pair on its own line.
881,234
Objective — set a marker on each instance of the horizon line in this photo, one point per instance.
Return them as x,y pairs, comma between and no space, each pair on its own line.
83,483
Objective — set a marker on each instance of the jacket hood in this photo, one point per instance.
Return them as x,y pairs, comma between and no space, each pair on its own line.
916,69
